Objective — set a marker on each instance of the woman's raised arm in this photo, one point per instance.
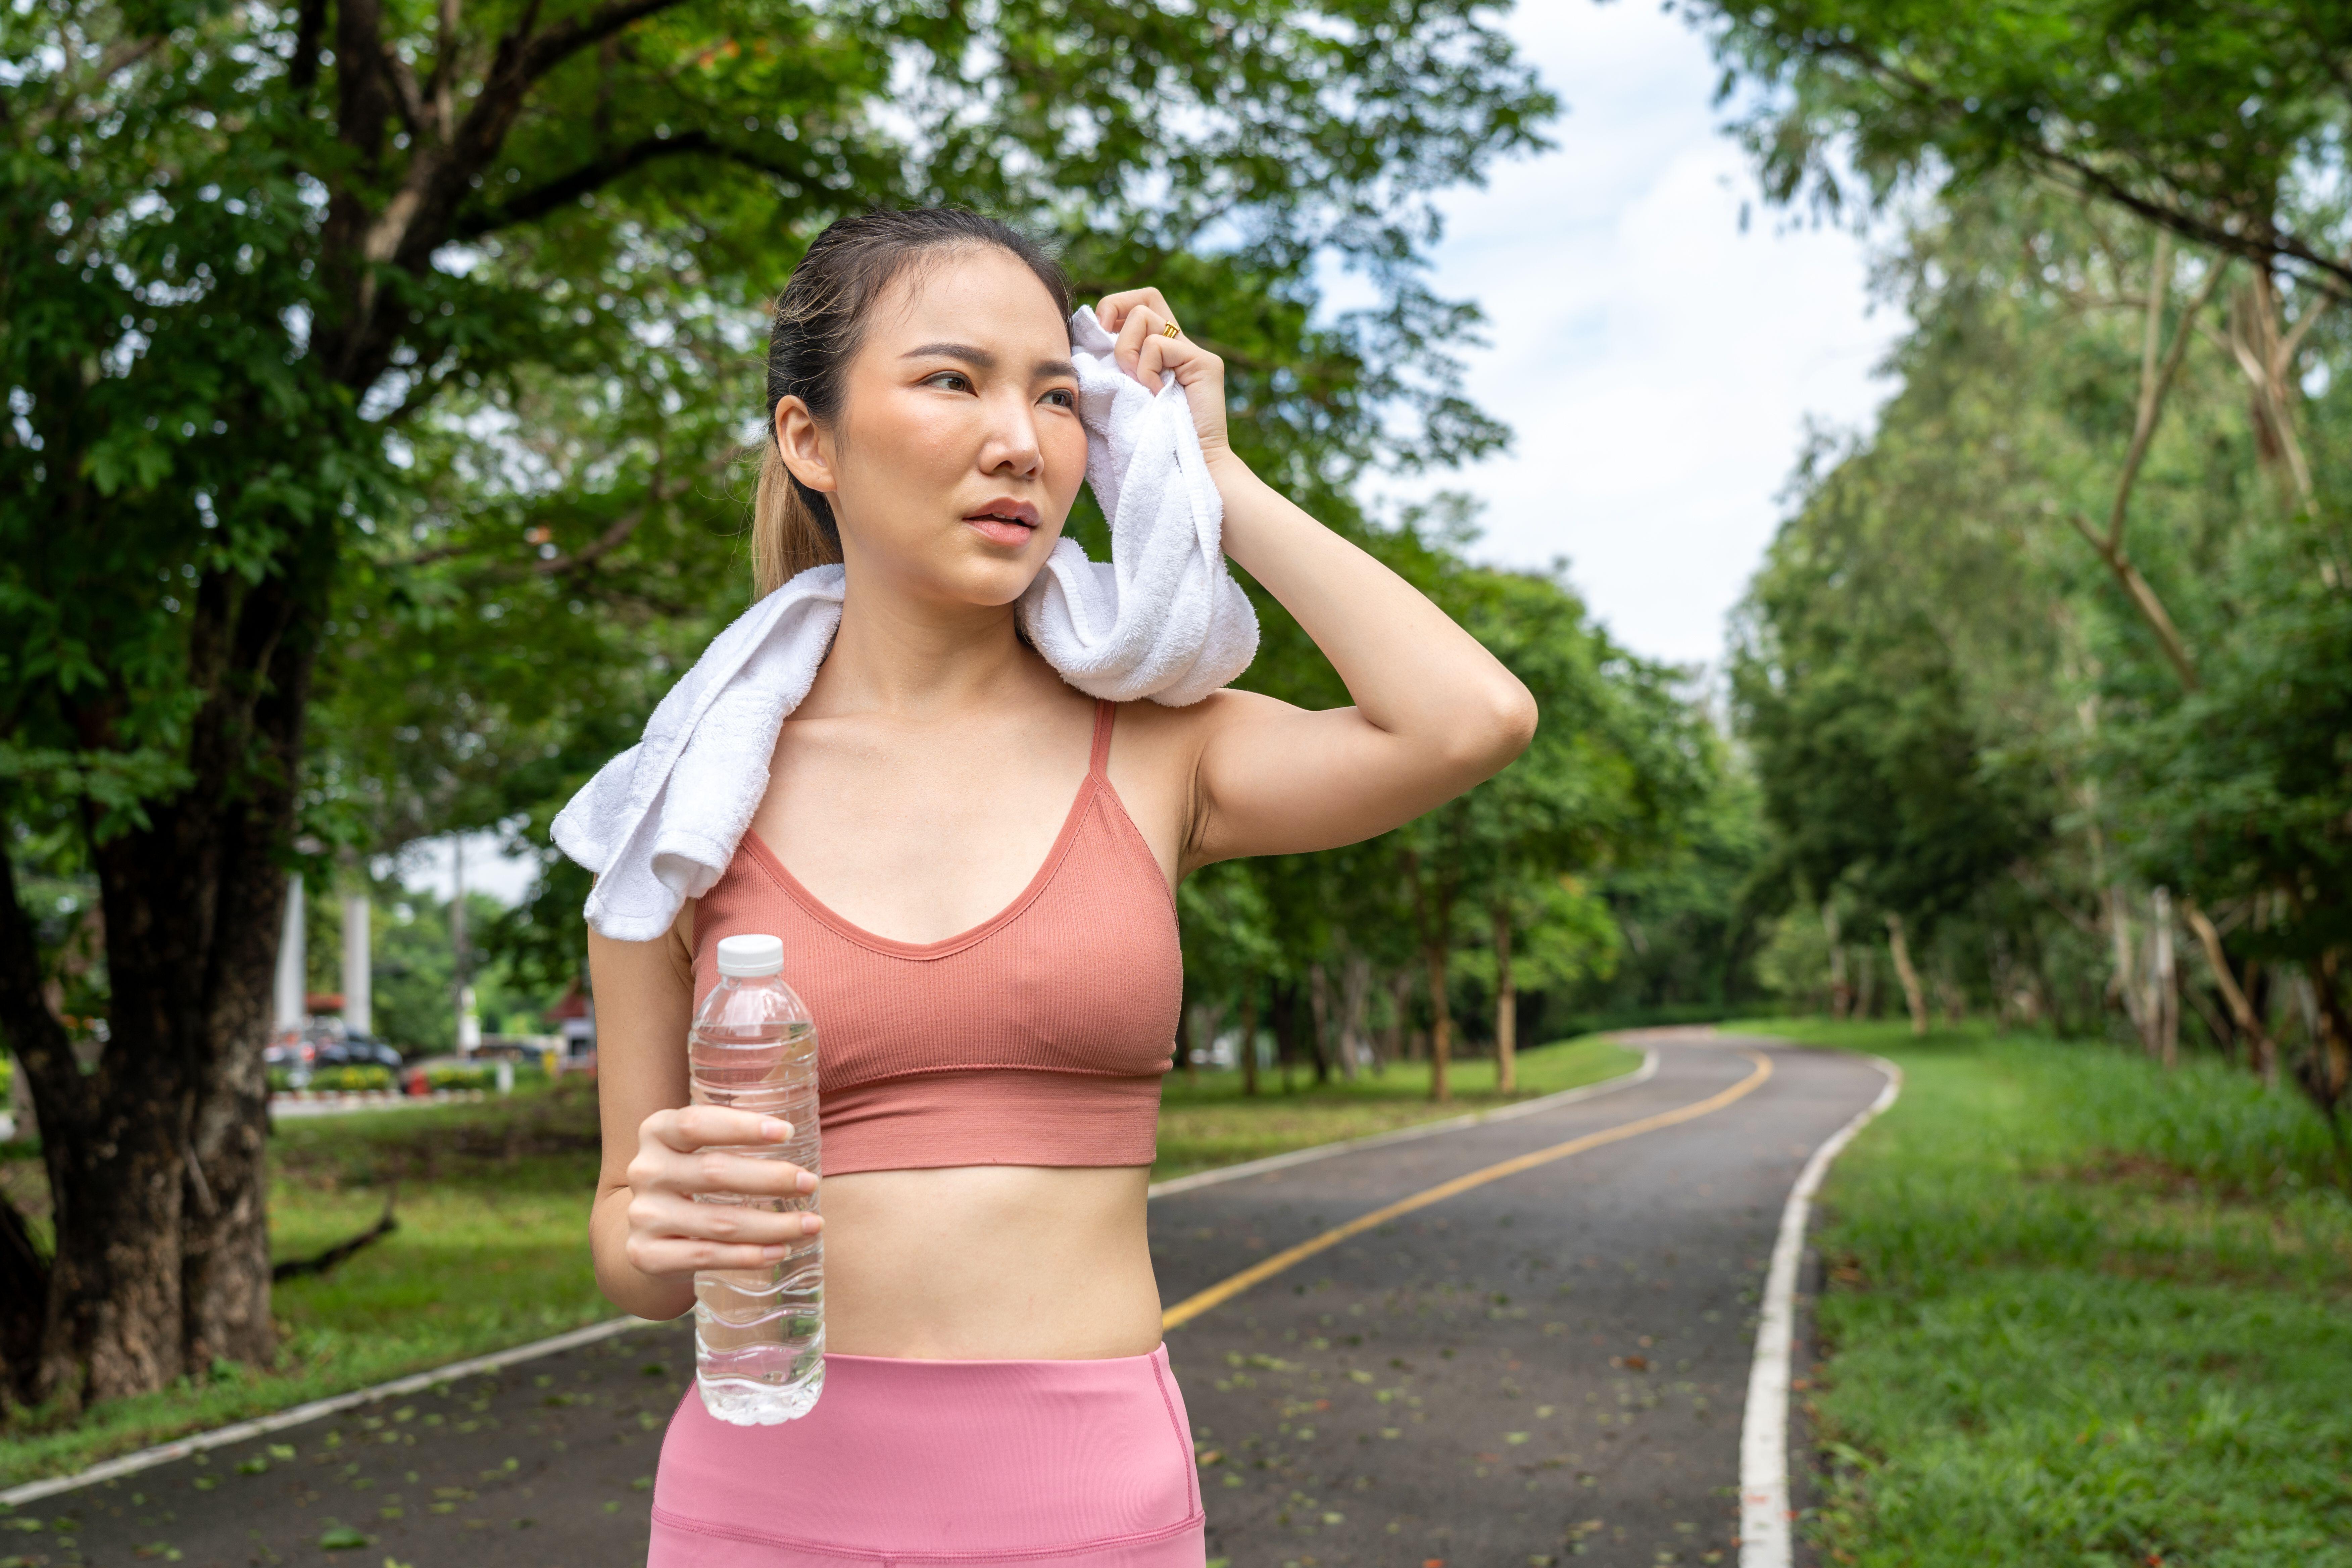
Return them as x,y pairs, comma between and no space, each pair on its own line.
1435,712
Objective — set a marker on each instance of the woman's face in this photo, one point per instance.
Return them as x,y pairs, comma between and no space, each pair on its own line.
958,451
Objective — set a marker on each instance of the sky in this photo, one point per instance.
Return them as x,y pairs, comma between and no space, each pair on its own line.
1657,365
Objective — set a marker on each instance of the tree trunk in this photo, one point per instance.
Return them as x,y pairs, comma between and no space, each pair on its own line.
1319,1018
1441,1025
1506,1007
2326,1072
24,1302
2215,1019
1355,994
115,1307
2261,1055
1432,916
1840,997
2124,985
1283,1017
1400,1031
2163,981
156,1156
1952,996
1184,1040
1248,1055
1914,997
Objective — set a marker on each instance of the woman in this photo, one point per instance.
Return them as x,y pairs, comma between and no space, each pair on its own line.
972,864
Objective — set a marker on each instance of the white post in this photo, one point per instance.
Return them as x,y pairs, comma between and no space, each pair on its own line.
469,1028
293,988
358,1002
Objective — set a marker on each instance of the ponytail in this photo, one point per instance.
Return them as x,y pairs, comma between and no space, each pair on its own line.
789,535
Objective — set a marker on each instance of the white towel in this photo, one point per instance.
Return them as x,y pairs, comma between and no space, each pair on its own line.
1161,619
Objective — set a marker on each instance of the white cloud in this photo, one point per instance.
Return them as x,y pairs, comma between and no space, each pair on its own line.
1656,365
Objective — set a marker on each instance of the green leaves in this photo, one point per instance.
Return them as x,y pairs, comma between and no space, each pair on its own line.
2217,122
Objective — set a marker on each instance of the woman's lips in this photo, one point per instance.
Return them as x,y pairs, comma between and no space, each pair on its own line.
1008,522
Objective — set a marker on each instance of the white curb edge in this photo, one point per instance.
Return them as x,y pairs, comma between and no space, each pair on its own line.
181,1448
1765,1539
260,1425
1170,1187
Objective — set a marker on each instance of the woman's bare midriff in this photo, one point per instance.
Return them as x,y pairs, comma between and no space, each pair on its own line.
989,1263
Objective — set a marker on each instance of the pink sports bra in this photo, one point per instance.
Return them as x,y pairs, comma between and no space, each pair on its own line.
1039,1037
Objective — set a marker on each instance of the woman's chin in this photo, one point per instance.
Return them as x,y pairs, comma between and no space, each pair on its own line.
990,582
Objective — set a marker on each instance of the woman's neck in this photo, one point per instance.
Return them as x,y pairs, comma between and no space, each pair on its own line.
918,659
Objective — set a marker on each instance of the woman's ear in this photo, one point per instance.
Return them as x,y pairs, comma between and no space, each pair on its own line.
806,448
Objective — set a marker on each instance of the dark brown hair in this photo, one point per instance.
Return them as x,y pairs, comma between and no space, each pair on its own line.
820,322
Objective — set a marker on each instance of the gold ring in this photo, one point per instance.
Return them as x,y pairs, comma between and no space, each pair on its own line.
1172,331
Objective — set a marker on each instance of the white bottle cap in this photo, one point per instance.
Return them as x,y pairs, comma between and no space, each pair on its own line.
751,956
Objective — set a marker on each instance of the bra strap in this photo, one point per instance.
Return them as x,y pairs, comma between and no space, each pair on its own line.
1106,715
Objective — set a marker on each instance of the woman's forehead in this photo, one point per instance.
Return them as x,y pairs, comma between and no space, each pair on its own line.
977,294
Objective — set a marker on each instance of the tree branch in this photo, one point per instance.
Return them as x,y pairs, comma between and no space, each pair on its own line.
542,199
417,220
2280,247
2143,597
407,98
2033,882
2159,282
611,539
2273,246
2156,383
2292,344
439,92
2262,370
303,70
543,53
2241,1010
296,1268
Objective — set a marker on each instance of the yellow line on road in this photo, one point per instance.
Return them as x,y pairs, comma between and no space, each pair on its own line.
1191,1307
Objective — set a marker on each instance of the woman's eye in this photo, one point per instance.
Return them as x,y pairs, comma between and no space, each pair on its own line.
1062,397
949,380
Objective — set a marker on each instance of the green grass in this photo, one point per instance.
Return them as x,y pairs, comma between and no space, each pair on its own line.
2081,1310
492,1246
491,1252
1208,1123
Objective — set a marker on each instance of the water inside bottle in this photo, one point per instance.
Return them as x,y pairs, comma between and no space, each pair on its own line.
760,1333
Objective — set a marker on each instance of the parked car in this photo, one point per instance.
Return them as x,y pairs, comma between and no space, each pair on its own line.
290,1051
357,1050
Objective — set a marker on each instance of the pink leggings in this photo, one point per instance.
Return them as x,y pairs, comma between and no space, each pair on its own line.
1063,1464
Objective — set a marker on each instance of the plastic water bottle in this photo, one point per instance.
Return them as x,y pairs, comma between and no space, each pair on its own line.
759,1333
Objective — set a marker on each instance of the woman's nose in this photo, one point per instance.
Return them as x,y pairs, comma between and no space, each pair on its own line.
1013,444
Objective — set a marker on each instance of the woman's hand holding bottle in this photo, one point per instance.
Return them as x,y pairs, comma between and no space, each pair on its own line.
683,1154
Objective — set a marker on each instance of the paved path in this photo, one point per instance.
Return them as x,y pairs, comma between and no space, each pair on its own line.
1548,1365
1551,1366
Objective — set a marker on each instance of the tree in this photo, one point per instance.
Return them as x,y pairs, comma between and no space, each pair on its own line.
1615,762
319,325
2217,124
1928,593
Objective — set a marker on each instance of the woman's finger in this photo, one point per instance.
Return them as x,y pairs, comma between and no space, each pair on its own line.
716,1171
669,1258
666,1216
1112,312
708,1126
1142,324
